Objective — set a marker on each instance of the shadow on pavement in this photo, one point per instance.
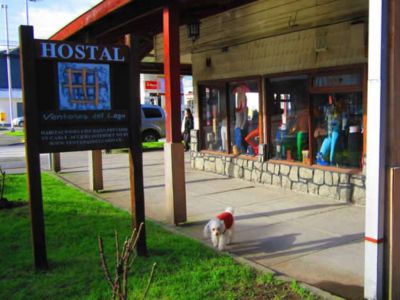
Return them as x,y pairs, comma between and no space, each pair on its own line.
283,245
353,292
287,211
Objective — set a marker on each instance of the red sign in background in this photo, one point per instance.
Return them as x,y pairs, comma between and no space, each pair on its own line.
151,85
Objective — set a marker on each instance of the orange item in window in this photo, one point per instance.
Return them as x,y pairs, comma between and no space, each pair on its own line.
249,140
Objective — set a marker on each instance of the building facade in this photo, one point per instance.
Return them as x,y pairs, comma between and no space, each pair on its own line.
280,95
16,95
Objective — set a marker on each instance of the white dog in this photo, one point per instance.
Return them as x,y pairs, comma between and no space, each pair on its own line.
220,229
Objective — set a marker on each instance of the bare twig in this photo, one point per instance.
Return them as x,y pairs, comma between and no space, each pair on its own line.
104,263
125,279
134,239
117,247
150,280
124,260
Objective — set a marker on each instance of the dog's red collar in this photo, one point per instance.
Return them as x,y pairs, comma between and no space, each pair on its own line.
227,217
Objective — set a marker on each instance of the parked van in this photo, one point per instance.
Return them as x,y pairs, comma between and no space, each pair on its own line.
153,123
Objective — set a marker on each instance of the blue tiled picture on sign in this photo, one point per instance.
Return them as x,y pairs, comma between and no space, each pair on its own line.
84,86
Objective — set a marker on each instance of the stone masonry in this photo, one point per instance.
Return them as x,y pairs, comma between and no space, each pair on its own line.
334,185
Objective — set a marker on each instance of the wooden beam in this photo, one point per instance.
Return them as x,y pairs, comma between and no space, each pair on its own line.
135,150
172,75
394,234
55,162
32,146
392,247
158,68
94,14
175,189
95,166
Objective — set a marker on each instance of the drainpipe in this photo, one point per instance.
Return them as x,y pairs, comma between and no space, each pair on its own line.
376,149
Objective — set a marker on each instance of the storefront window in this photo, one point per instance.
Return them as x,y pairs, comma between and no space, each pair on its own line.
288,110
213,117
338,130
314,118
244,117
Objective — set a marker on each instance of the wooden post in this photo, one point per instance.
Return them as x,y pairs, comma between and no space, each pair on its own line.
135,150
175,189
95,166
392,247
55,162
394,234
32,146
95,163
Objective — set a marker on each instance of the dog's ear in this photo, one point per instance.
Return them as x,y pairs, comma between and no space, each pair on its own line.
207,230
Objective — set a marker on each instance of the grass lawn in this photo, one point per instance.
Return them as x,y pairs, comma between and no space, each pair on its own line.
146,146
186,269
152,145
17,133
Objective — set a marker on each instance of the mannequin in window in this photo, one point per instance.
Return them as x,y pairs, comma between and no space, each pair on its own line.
224,131
240,115
333,121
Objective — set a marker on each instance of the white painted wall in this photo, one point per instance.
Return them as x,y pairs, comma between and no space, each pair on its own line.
5,104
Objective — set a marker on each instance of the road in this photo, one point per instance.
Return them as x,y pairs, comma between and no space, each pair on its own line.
12,155
12,159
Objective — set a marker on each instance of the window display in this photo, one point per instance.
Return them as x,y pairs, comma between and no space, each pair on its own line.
230,126
289,118
338,130
311,118
244,108
214,117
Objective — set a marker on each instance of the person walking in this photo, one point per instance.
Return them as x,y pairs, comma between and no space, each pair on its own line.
187,125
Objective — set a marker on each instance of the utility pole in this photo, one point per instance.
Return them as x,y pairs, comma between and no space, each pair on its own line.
27,9
27,12
4,6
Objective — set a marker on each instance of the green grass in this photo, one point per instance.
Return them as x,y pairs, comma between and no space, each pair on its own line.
186,269
146,146
153,145
17,133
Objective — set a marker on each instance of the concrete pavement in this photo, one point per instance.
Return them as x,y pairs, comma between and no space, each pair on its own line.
314,240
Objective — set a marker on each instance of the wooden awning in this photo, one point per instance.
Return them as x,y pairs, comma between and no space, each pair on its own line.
110,20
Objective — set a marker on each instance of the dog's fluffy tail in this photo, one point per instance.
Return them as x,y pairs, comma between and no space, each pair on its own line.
230,210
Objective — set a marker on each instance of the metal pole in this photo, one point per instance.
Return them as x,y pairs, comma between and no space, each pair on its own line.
4,6
27,12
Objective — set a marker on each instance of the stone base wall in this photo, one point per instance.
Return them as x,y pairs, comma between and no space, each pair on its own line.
330,184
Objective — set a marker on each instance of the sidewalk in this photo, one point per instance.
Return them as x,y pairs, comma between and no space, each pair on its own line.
314,240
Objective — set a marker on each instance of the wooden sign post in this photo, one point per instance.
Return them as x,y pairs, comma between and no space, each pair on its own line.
76,97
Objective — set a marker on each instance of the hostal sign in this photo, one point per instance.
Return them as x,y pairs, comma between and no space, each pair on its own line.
82,96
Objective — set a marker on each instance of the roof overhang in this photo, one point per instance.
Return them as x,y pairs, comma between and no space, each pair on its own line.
110,20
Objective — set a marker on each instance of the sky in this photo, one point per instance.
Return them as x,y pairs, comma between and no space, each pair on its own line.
46,16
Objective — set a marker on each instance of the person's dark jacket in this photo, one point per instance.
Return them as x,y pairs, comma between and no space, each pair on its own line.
188,124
